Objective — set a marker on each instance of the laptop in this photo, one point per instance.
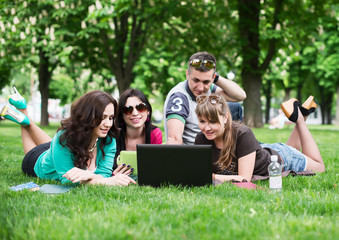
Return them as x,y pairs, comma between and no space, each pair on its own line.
180,165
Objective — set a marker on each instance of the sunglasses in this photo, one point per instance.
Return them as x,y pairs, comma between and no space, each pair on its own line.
141,107
196,63
213,99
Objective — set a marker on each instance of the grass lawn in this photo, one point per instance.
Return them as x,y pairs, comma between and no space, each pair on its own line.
306,209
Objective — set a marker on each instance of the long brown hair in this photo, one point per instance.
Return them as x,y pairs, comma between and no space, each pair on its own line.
86,114
211,111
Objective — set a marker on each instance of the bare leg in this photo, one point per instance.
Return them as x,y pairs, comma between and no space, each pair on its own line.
32,135
309,146
294,139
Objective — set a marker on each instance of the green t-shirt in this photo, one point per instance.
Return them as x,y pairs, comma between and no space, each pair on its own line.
57,160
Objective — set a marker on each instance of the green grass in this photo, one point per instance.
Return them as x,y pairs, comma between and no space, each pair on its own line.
306,209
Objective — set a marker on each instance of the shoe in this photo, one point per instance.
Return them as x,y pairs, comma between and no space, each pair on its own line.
290,108
17,100
308,106
14,115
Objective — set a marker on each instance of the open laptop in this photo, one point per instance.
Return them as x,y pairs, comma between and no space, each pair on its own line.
174,165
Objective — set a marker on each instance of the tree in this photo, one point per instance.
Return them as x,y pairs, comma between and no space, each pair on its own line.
33,35
193,26
252,70
313,52
113,35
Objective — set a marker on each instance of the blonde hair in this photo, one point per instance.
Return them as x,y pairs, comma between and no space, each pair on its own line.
211,111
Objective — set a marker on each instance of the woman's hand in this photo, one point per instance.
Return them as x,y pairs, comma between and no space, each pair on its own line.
118,179
245,170
79,175
225,178
123,169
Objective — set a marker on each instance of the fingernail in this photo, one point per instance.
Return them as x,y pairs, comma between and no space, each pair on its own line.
128,165
132,169
124,165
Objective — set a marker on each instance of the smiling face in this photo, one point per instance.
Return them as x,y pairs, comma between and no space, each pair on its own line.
135,119
106,122
199,82
213,130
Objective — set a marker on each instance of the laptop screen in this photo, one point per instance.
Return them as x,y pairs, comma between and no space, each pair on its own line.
185,165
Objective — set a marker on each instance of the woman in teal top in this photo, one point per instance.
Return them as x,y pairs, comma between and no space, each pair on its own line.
84,147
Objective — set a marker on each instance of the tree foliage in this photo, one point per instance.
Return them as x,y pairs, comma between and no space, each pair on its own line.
33,36
102,44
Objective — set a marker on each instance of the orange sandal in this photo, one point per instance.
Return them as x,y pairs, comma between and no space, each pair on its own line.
290,108
308,106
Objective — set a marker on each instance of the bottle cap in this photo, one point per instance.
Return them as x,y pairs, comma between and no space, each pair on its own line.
274,158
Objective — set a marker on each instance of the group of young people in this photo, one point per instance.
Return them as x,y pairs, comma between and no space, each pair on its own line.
86,146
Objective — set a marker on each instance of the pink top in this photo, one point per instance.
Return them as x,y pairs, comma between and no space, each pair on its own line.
156,136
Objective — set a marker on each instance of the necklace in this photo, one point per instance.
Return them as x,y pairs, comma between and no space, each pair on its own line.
92,148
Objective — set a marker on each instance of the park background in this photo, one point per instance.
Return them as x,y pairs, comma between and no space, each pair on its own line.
274,49
55,51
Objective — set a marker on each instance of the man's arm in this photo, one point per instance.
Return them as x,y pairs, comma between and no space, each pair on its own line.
175,129
231,91
177,111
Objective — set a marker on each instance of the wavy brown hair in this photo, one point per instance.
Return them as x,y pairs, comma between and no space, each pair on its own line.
211,112
86,114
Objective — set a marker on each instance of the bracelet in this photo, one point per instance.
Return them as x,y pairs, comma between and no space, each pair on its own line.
213,176
216,77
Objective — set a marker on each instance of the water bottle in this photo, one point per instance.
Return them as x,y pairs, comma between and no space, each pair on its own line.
274,170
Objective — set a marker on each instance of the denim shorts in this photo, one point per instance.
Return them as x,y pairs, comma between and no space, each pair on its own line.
293,159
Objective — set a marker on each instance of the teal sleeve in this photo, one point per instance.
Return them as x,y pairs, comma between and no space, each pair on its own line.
62,157
105,164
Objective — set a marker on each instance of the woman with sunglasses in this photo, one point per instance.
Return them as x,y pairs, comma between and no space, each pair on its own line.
83,149
134,121
237,154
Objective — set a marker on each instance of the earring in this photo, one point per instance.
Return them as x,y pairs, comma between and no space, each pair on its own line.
147,119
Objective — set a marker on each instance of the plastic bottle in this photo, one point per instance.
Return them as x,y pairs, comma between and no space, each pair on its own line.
274,170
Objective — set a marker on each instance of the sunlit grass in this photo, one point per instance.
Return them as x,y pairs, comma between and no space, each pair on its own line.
306,209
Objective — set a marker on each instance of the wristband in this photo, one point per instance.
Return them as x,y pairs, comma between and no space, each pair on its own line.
216,77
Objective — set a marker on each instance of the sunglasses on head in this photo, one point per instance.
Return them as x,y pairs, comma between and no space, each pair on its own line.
196,63
213,99
141,107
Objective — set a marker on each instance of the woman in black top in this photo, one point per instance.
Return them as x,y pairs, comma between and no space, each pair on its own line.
237,152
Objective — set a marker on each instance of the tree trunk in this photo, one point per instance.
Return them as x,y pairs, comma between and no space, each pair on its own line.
250,74
44,80
299,88
124,80
268,92
323,111
252,104
287,94
329,109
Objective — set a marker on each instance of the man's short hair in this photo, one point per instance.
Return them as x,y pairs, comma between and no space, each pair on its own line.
202,56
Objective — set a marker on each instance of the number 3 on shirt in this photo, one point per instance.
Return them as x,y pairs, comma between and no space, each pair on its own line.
177,104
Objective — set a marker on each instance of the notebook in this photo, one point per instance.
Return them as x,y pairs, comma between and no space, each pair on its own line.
185,165
55,189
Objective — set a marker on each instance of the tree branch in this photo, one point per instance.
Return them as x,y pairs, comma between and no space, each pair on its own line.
111,58
271,45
